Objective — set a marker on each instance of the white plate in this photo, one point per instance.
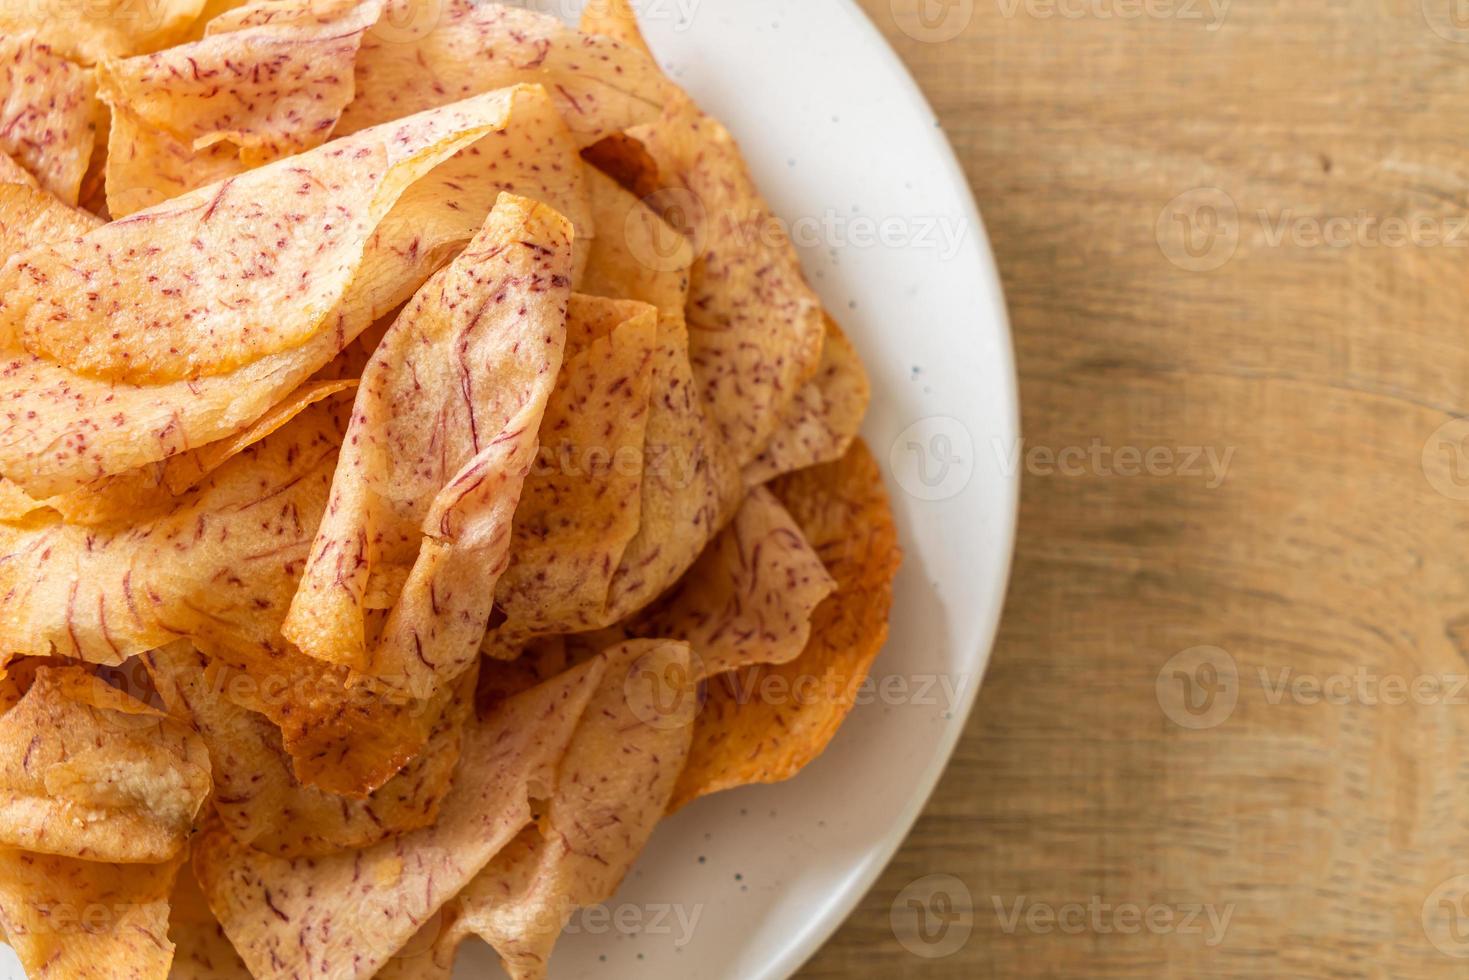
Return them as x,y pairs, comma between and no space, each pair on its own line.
747,885
843,145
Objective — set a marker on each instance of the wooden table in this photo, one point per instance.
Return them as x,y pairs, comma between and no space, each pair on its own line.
1248,235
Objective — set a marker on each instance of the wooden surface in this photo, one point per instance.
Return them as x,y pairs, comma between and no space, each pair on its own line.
1332,551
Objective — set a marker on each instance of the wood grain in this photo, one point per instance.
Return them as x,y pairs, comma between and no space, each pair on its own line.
1332,830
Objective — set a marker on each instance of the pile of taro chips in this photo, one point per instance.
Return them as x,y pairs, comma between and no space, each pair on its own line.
423,467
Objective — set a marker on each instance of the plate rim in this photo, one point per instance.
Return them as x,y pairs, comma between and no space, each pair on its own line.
806,942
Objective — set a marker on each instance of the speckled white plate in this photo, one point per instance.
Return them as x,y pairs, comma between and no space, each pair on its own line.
747,885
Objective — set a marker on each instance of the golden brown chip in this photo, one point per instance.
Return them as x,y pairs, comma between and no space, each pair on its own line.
31,215
425,53
85,920
689,486
749,598
187,469
626,161
764,724
819,426
219,568
612,788
443,433
202,950
346,915
755,327
203,313
101,29
614,19
48,113
87,771
256,794
582,501
269,80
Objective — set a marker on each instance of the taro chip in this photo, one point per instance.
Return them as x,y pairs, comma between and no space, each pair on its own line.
69,919
201,949
48,113
220,567
258,797
582,501
269,80
100,29
346,915
424,53
689,487
612,788
31,215
240,331
442,436
614,19
763,724
755,327
749,598
87,771
820,424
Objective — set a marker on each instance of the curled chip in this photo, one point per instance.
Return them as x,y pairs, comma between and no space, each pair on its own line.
443,433
256,795
755,327
101,28
201,949
345,915
687,484
582,501
48,113
425,53
820,424
750,596
268,80
764,724
611,790
87,771
202,330
86,920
